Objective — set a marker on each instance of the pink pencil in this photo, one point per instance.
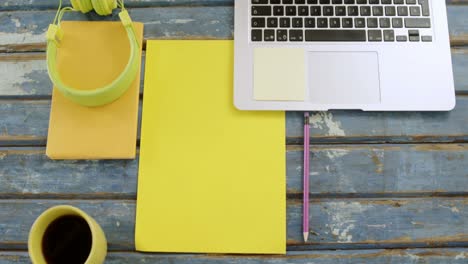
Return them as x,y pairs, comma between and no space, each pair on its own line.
305,213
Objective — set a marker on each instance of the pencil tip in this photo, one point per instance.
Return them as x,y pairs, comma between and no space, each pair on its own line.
306,236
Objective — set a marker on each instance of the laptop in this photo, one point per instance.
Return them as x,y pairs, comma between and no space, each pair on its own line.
319,55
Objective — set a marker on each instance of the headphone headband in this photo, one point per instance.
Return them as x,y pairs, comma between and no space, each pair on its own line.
99,96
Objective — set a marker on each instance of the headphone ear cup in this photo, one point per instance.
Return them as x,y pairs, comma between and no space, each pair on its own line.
104,7
83,6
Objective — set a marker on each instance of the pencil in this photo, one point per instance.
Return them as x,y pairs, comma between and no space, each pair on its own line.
305,206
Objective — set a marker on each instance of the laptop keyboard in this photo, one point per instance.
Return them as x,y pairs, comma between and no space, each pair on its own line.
340,20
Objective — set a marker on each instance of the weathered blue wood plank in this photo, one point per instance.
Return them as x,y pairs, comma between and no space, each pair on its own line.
336,171
26,122
336,223
28,27
24,30
25,172
357,126
24,75
11,5
34,116
14,5
460,69
408,256
381,169
458,21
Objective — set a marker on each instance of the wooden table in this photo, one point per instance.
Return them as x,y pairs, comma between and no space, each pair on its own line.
385,187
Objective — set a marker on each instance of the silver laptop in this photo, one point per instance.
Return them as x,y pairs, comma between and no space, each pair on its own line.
317,55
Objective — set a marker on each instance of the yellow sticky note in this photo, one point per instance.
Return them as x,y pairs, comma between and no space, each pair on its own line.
91,55
211,178
279,74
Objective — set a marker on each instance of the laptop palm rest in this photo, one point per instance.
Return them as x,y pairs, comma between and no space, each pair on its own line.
346,78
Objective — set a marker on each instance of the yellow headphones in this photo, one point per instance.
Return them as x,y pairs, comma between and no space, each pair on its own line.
116,88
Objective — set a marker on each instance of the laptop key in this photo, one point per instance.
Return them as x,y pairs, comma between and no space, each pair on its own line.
360,22
278,10
282,35
269,35
315,11
397,22
425,7
309,22
328,10
297,22
372,22
261,10
414,38
389,35
384,22
401,38
258,22
272,22
415,11
375,35
296,35
347,22
335,35
413,35
417,22
322,22
426,38
291,11
377,11
340,11
285,22
335,22
365,10
303,10
402,11
390,11
257,35
353,11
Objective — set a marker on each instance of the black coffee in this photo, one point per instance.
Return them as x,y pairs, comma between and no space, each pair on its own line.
67,240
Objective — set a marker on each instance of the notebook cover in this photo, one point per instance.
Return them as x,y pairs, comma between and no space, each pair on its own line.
91,55
211,178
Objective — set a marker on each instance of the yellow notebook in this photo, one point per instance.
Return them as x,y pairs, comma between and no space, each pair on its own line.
91,55
211,178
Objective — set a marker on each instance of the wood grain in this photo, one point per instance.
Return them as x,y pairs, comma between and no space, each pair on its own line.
382,127
25,74
26,123
24,30
12,5
367,193
409,256
336,171
336,223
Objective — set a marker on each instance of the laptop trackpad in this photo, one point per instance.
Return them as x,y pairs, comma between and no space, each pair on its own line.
344,77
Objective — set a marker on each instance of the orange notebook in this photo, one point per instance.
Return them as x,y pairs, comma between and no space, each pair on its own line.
91,55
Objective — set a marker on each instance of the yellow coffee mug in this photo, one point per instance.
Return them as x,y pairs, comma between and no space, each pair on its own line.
98,250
